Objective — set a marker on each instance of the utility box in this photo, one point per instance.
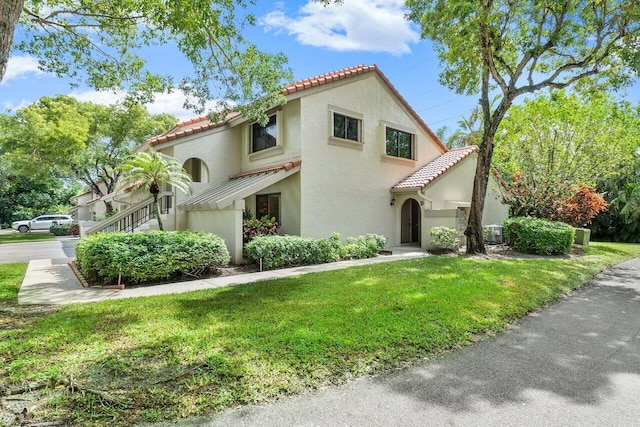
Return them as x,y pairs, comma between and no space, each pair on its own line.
582,236
493,234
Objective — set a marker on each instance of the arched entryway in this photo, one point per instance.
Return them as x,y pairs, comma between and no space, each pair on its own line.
410,222
196,169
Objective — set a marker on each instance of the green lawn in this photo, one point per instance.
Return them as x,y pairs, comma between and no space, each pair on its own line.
25,237
191,354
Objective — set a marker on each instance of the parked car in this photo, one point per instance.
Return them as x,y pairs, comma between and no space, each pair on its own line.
43,222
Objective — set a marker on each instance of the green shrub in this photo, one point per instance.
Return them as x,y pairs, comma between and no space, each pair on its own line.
150,256
59,230
444,238
539,236
288,251
364,246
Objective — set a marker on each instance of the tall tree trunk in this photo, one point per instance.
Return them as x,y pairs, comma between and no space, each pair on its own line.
156,209
10,11
108,206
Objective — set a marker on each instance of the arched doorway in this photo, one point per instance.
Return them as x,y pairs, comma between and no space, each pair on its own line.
410,222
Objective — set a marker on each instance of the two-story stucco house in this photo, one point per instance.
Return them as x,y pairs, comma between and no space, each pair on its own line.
345,154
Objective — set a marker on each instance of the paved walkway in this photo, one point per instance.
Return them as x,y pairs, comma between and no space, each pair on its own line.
51,281
575,363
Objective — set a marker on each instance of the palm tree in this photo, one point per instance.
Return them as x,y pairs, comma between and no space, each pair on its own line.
154,170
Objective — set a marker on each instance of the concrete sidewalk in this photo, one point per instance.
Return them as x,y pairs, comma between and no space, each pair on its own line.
51,281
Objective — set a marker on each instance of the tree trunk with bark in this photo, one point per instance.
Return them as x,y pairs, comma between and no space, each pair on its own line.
10,11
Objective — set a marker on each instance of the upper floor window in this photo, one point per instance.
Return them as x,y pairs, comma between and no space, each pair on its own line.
399,144
263,137
347,127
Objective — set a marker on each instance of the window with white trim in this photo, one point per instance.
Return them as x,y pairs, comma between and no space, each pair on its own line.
346,127
264,137
399,143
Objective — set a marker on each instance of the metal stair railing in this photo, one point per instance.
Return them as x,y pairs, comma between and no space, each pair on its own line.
131,218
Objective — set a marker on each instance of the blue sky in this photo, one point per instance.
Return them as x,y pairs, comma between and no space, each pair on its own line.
316,40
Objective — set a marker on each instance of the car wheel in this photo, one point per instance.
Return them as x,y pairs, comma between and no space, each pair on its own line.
23,229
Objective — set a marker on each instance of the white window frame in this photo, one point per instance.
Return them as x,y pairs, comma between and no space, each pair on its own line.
383,141
271,151
345,142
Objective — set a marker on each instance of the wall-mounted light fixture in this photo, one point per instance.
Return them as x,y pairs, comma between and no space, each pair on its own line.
393,202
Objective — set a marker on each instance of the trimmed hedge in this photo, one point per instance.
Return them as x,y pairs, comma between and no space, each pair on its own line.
289,251
150,256
539,236
444,238
59,230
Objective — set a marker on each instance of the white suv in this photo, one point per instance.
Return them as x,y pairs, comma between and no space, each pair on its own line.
43,222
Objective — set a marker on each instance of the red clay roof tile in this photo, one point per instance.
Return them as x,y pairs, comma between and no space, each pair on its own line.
429,172
285,166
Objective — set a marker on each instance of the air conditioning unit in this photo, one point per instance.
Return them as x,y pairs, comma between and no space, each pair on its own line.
493,234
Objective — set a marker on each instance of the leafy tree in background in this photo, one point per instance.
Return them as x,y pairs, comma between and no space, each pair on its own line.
550,145
621,222
514,48
98,43
61,137
22,197
154,170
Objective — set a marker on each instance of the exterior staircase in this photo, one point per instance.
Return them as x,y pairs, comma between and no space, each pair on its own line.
139,217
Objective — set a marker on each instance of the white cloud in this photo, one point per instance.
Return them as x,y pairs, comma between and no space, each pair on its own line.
164,103
20,66
356,25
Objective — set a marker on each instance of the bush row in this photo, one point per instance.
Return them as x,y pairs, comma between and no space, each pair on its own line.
539,236
288,251
149,256
64,230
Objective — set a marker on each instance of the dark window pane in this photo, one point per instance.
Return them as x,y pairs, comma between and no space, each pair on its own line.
352,129
404,145
268,205
399,144
339,125
392,142
263,137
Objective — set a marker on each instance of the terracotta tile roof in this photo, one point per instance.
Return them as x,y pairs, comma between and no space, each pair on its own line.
327,78
435,168
201,124
197,125
285,166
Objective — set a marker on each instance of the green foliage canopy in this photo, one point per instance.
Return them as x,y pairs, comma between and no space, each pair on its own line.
100,43
514,48
561,140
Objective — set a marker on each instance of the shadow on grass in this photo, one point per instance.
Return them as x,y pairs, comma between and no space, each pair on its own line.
572,350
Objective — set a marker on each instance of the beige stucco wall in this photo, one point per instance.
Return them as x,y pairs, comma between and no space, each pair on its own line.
345,186
224,223
219,149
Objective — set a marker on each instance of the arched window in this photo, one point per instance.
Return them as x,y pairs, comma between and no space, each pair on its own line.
197,169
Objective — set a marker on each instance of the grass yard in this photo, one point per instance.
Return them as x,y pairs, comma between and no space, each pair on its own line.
25,237
175,356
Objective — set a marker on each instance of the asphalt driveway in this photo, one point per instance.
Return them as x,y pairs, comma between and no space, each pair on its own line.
62,247
575,363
